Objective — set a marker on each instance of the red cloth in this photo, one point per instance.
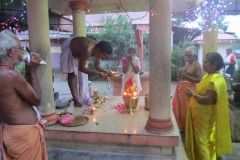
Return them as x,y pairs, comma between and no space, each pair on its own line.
180,103
124,61
233,58
66,119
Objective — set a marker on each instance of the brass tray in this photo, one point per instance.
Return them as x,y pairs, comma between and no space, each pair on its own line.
78,121
115,75
112,74
93,96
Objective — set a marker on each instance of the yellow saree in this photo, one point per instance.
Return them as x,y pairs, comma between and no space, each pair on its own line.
208,126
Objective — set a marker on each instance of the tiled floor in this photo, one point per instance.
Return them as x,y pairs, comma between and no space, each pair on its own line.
235,155
107,120
61,86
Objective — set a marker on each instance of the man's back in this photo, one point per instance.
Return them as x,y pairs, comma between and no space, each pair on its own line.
82,47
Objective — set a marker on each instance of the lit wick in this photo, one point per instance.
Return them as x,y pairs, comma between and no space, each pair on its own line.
134,94
124,94
92,111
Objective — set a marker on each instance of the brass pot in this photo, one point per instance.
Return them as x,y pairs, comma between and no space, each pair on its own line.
134,102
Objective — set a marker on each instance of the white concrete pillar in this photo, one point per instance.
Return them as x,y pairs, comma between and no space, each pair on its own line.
210,41
79,17
139,38
39,42
79,24
160,67
172,41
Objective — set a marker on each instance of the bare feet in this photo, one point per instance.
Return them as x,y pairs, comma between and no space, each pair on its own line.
77,104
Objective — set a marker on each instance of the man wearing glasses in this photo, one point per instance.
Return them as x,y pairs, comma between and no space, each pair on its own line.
21,134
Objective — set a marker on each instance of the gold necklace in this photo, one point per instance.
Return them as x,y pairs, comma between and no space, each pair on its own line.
6,66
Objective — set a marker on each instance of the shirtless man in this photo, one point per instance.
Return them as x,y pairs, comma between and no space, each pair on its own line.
192,70
75,53
21,135
189,77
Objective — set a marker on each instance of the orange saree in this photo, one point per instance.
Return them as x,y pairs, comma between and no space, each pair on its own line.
180,103
23,142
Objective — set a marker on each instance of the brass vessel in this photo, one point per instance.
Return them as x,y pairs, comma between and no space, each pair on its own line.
134,102
147,107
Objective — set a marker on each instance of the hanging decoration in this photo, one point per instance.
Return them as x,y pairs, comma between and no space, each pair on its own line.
126,11
15,22
86,9
208,13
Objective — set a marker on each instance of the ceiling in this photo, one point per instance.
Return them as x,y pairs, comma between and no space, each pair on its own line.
59,8
102,6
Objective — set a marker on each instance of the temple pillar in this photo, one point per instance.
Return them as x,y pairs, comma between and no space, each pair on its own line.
139,38
39,42
210,41
172,41
79,17
159,119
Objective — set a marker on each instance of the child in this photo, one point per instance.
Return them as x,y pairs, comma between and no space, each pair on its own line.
130,68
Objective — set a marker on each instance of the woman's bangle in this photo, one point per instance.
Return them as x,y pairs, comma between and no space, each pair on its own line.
193,94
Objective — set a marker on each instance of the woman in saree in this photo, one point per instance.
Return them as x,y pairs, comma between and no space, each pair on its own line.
207,122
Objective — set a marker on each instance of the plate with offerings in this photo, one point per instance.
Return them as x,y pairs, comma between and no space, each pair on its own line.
73,121
78,121
113,74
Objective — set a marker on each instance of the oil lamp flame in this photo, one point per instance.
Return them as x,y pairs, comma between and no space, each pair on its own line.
134,94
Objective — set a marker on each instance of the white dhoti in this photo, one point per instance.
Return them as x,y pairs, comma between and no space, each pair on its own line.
69,64
130,73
